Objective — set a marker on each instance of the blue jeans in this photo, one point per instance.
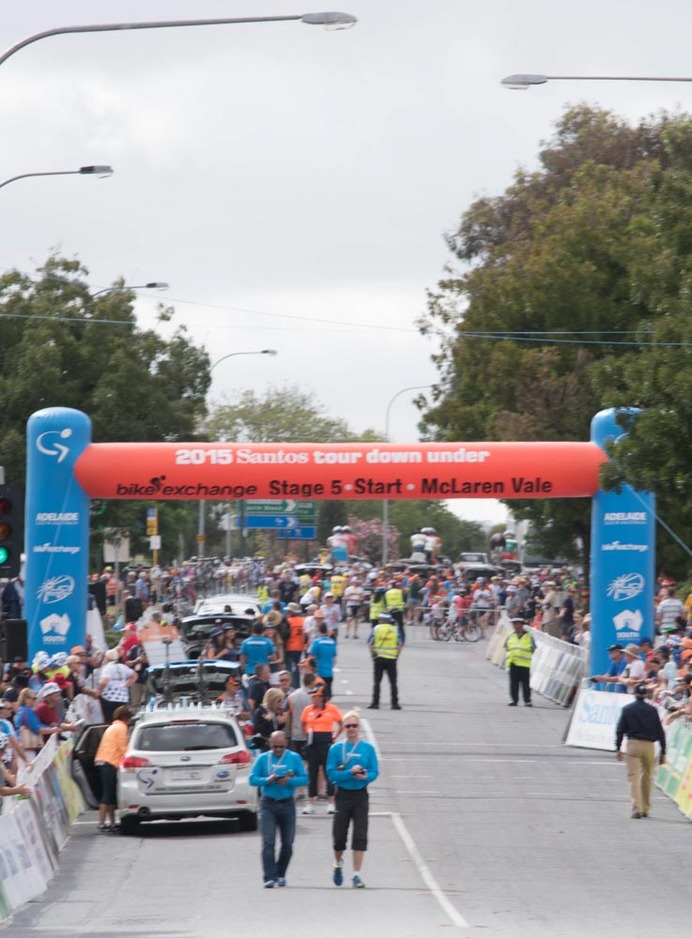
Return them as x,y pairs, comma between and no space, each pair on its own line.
275,815
292,659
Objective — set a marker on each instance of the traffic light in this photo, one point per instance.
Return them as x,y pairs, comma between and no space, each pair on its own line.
11,529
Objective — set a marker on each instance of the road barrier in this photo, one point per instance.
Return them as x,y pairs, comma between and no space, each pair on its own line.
593,725
675,777
557,667
34,830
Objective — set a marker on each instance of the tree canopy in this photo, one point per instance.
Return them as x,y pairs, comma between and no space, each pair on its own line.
61,346
570,293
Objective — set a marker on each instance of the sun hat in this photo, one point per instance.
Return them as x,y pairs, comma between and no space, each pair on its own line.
294,607
49,688
633,650
112,654
41,661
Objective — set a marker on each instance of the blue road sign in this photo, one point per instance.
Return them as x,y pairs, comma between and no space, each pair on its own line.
306,532
272,522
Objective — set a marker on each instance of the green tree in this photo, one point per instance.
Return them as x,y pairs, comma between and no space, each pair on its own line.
287,414
61,346
548,313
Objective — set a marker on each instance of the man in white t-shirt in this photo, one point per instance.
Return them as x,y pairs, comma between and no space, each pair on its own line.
669,609
634,669
353,600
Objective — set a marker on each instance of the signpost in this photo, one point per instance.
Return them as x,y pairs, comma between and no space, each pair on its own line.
305,532
306,511
271,522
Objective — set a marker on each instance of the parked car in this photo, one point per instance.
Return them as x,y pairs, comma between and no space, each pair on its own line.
186,757
472,571
473,556
195,629
239,603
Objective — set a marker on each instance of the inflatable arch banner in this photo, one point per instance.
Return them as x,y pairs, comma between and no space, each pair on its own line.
65,470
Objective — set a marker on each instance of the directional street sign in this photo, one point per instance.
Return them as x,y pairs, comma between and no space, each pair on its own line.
305,510
303,533
272,522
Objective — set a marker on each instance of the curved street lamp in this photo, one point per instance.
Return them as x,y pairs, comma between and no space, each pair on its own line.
330,20
100,171
153,285
385,503
524,82
262,351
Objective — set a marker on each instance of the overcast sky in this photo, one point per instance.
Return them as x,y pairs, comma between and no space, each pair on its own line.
291,183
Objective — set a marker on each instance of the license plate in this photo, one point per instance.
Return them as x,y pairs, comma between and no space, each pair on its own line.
185,775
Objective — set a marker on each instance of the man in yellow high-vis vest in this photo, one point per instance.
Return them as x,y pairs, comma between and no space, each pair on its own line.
520,646
385,647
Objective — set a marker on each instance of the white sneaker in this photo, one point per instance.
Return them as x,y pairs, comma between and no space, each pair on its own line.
308,809
331,809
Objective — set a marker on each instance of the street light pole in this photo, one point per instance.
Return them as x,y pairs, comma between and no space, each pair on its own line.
201,519
263,351
385,503
153,285
524,82
100,171
331,20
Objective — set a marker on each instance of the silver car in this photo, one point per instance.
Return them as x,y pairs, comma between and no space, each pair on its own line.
186,760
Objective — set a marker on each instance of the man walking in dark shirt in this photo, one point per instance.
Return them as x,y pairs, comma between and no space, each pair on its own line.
641,724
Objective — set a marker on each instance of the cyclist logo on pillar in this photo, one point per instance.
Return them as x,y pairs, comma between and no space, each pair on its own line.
52,447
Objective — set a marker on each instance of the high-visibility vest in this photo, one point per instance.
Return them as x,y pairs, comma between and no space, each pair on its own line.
520,648
296,637
395,599
376,607
385,640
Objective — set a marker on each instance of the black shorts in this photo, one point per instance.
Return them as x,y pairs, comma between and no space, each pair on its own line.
298,745
351,806
109,783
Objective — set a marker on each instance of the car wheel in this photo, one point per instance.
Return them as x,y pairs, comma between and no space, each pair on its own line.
247,821
129,826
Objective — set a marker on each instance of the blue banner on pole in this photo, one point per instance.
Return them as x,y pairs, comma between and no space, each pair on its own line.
622,560
56,531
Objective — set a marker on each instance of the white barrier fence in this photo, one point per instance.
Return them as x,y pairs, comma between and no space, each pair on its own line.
557,667
34,830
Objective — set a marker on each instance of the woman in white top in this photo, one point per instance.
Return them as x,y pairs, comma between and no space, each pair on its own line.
114,684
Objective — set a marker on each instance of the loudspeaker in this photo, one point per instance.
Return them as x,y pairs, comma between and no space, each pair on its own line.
13,639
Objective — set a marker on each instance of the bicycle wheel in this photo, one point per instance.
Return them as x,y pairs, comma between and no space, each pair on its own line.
472,632
458,632
446,630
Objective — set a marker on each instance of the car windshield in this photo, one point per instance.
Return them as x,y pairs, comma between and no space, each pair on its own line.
177,737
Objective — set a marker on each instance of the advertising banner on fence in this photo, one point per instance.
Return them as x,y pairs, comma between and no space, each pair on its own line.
594,719
34,830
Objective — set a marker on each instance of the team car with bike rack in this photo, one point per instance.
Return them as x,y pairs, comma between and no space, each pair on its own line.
187,756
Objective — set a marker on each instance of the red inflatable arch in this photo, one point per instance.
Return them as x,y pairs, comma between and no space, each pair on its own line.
226,471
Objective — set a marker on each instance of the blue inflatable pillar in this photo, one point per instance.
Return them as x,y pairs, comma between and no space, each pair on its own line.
56,531
622,560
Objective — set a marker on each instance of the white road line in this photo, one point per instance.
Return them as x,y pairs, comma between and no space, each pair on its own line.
409,775
423,869
426,873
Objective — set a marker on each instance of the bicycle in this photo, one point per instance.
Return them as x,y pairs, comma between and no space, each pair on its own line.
466,629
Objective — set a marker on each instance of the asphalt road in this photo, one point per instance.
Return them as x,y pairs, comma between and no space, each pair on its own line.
482,822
